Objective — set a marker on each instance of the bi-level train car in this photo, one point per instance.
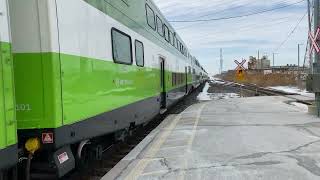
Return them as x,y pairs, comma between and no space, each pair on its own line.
8,134
87,68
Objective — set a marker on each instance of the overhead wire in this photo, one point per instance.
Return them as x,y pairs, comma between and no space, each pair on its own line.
244,29
217,12
233,17
291,32
236,7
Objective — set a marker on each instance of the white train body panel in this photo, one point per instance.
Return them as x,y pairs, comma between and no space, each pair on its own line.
4,22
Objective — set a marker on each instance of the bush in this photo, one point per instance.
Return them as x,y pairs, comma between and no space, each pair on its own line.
264,80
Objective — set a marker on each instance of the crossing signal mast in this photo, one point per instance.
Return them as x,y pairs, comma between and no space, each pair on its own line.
313,84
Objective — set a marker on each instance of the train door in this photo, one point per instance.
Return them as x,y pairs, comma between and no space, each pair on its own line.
163,95
186,79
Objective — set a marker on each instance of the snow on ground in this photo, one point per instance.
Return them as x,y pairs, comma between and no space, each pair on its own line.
206,96
217,81
300,106
292,90
217,96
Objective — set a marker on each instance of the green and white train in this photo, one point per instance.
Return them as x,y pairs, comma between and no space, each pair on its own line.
87,68
8,134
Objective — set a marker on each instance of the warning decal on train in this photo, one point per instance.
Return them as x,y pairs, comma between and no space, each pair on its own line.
47,138
63,157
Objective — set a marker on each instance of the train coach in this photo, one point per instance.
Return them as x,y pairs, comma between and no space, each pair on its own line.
87,68
8,137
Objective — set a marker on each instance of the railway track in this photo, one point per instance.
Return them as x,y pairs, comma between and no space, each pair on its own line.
261,91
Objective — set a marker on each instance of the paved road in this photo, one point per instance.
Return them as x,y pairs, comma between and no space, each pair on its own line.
233,139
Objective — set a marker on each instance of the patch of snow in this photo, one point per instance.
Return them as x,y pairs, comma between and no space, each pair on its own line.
204,95
217,81
300,106
292,90
217,96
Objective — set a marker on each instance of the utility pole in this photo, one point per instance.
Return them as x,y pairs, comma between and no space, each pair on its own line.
259,63
316,25
221,61
316,56
299,79
299,56
309,28
273,59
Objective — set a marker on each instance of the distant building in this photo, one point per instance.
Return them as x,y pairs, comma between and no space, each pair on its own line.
258,64
288,69
252,64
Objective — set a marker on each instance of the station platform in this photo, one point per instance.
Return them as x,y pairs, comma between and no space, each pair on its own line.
231,139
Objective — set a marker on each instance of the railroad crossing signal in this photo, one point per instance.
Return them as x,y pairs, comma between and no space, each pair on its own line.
240,65
314,42
240,70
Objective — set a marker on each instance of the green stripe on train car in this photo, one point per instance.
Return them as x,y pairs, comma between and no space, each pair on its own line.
49,95
8,134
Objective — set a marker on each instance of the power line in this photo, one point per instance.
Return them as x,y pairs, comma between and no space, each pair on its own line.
236,7
293,30
217,12
223,10
233,17
253,25
250,27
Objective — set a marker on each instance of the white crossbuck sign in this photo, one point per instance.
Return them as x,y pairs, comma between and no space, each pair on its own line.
313,39
240,65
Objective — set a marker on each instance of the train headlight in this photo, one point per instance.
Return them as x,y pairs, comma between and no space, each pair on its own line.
32,145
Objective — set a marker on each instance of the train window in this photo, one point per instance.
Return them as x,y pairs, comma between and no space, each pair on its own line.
177,45
159,26
166,32
150,17
173,79
139,49
121,47
171,38
174,41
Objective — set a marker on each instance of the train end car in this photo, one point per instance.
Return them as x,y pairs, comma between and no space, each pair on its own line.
8,131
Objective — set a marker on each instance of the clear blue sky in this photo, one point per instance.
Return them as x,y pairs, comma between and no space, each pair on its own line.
241,37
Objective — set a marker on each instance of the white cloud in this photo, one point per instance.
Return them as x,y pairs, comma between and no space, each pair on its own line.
239,37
